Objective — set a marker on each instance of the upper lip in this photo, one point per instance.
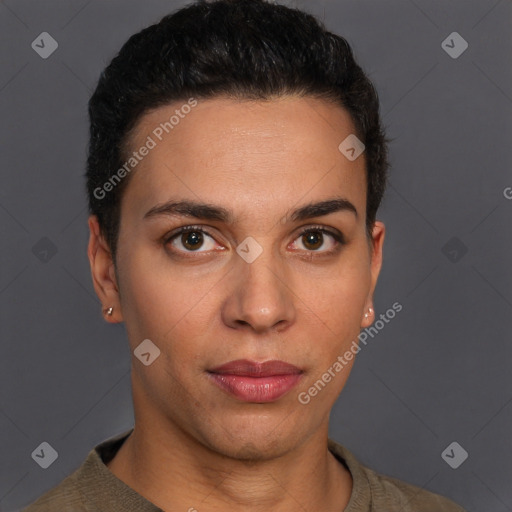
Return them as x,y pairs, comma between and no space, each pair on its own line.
246,368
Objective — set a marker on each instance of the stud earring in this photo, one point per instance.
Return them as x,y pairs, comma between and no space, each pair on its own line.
370,311
109,311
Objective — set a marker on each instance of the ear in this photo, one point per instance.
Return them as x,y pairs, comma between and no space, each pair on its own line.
376,245
103,272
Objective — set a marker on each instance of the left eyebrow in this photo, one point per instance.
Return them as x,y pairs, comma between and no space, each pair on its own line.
217,213
323,208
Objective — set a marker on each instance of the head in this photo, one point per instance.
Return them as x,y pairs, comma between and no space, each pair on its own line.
226,118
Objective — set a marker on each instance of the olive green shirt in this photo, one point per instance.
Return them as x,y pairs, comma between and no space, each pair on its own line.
94,488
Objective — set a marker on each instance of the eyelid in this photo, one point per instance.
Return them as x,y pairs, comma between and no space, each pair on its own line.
187,229
334,233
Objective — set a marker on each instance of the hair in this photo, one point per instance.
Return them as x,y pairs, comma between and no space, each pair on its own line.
240,49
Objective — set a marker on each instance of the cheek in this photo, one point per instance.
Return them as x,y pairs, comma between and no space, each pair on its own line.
165,309
333,326
155,294
172,308
337,297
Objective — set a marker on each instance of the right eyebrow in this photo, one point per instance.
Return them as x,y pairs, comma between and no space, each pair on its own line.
190,209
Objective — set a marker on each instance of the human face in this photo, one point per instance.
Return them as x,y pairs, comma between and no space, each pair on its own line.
301,301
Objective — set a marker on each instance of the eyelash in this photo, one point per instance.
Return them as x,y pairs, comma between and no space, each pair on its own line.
337,236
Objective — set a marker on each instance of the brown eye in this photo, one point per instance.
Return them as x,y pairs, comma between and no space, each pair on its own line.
319,240
313,240
192,240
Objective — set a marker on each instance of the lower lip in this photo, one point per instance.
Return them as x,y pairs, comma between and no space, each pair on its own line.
256,389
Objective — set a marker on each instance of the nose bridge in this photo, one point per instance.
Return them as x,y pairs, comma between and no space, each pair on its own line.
264,273
261,297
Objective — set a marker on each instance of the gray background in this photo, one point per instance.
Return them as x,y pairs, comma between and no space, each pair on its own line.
437,373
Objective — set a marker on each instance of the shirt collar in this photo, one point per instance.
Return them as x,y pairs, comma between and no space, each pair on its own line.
100,487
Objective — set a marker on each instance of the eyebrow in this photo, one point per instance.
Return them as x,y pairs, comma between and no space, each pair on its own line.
205,211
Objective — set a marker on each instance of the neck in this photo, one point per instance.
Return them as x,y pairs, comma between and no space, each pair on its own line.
177,472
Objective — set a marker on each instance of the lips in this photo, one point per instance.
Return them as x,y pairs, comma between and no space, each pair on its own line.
246,368
250,381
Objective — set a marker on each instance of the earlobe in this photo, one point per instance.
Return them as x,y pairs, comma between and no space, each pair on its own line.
103,273
377,242
368,317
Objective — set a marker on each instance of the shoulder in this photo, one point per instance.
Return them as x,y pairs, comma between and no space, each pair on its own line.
65,496
375,492
90,484
388,491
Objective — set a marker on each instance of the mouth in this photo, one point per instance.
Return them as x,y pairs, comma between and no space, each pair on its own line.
250,381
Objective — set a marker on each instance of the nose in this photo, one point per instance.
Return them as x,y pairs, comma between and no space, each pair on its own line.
260,298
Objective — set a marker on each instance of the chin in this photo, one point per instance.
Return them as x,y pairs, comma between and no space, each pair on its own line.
251,450
254,440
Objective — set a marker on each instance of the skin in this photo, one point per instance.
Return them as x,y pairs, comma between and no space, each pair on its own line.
194,445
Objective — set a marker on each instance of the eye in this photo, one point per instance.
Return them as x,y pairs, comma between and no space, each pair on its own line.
191,239
318,240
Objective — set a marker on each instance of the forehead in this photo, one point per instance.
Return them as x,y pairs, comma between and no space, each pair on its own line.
245,153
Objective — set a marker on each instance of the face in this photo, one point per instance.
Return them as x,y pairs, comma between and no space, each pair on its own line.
274,265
